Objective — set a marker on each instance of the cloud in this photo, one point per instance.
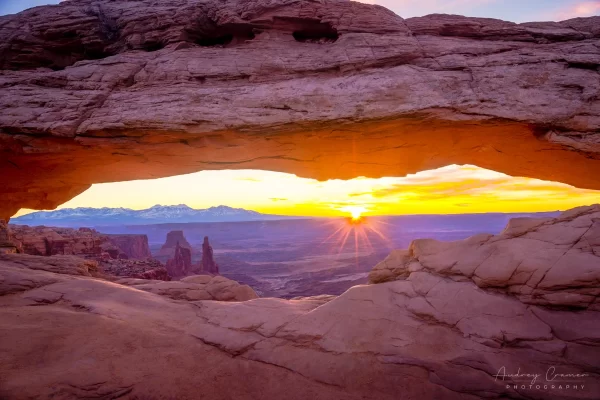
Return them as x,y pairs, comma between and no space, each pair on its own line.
461,182
359,194
248,179
277,199
579,9
441,190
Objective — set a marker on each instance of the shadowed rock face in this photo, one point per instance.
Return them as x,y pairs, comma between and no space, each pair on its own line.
181,263
134,246
116,255
174,239
7,245
208,264
437,334
48,241
157,274
98,91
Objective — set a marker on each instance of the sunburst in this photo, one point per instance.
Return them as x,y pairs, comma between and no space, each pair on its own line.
359,228
355,211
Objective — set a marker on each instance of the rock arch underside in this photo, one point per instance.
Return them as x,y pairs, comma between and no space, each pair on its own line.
113,90
99,91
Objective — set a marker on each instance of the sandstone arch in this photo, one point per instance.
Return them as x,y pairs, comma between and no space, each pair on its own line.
98,91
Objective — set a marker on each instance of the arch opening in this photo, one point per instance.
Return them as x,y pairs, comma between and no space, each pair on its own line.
282,235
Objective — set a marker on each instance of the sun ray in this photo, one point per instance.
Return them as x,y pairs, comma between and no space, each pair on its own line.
367,240
333,234
356,247
344,241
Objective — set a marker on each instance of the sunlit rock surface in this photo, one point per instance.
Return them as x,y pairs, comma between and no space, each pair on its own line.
48,240
547,261
196,287
433,335
97,91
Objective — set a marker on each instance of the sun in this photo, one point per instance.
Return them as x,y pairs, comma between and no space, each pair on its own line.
355,211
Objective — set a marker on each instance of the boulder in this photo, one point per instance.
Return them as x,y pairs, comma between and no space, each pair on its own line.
196,287
545,261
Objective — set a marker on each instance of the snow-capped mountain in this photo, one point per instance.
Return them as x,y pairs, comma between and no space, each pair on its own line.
86,216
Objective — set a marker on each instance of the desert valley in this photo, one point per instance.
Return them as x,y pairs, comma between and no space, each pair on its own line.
299,199
285,257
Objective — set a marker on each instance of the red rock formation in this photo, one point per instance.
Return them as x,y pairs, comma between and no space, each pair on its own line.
121,85
181,263
143,269
157,274
133,245
48,241
113,259
543,261
174,238
6,243
208,264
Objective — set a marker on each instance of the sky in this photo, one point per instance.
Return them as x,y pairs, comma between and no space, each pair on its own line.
510,10
449,190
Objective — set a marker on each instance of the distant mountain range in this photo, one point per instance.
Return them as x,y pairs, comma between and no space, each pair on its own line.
86,216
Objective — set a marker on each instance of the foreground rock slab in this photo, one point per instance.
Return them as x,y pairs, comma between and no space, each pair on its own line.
196,287
547,261
428,335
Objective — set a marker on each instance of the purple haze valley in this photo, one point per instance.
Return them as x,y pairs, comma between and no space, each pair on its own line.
308,257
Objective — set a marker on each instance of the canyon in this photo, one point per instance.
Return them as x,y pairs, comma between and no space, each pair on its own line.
429,326
96,91
47,241
125,255
116,255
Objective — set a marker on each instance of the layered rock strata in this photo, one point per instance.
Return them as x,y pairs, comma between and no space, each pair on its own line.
133,245
117,255
173,240
544,261
47,241
181,263
6,241
97,91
